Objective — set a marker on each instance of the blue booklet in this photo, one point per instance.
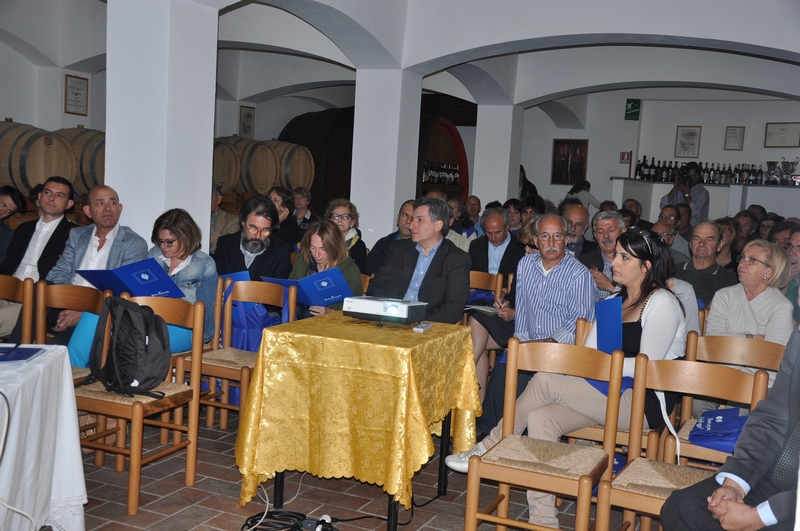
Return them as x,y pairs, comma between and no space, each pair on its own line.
608,314
18,353
320,289
145,278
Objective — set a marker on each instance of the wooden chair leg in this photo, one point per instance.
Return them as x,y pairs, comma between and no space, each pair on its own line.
100,455
163,433
503,489
135,473
122,438
472,499
210,410
225,399
583,505
192,436
602,520
645,523
629,517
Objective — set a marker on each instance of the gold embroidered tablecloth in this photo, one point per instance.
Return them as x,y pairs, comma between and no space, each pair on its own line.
341,397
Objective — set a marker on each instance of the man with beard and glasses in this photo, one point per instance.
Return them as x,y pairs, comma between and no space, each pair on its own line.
607,226
254,248
577,217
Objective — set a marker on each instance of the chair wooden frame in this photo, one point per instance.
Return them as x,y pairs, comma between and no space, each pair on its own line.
140,410
487,281
677,376
20,291
702,316
560,359
217,363
66,296
365,282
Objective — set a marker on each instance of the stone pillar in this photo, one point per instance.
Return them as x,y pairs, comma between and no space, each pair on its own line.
498,148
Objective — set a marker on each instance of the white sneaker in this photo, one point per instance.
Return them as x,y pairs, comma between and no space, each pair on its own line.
460,462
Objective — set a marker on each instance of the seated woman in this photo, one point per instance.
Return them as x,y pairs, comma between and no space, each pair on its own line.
729,232
344,214
322,248
652,323
492,332
514,208
755,307
177,241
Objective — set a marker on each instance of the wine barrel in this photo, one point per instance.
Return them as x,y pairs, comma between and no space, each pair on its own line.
90,149
296,164
29,156
259,170
227,166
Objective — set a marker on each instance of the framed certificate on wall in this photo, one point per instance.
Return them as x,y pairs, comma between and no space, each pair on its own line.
786,134
734,138
76,95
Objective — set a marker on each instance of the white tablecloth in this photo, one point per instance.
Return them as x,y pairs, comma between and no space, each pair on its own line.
41,471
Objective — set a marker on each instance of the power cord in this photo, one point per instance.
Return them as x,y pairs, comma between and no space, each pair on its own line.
9,508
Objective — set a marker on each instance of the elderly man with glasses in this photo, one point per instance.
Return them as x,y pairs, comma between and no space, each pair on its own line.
607,225
702,271
253,248
671,215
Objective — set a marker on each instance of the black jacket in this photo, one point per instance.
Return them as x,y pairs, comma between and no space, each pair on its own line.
50,254
275,262
479,255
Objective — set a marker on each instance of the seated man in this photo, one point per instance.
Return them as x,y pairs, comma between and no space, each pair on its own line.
667,233
473,206
105,244
636,207
577,217
428,267
684,226
793,249
37,244
702,271
255,248
378,252
757,486
11,202
671,215
497,251
607,225
222,222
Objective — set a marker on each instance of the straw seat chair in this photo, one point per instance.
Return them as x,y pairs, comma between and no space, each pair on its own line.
20,291
554,467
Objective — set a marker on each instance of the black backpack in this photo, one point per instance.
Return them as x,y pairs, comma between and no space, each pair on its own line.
138,357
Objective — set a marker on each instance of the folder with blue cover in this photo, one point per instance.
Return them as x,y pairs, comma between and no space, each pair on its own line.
145,278
320,289
608,315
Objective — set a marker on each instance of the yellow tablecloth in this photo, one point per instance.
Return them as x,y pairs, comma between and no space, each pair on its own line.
341,397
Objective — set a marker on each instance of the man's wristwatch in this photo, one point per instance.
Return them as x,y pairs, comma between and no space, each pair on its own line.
685,195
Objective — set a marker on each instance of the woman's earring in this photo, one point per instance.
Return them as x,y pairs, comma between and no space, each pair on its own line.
765,279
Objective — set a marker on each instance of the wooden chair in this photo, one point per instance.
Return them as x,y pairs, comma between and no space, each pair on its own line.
703,315
721,349
365,282
640,486
230,364
139,410
487,281
20,291
503,462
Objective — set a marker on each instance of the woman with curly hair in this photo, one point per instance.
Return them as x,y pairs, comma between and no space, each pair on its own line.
345,215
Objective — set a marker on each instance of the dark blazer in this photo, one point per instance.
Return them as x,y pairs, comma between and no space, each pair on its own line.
50,254
588,247
767,431
275,262
479,255
446,284
594,258
378,252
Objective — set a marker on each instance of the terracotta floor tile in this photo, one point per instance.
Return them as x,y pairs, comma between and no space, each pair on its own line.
116,512
188,518
179,500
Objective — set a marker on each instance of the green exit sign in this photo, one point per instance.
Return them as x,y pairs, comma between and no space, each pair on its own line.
632,108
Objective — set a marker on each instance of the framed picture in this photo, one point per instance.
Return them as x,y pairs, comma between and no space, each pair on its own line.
786,134
734,138
76,95
247,121
687,141
569,161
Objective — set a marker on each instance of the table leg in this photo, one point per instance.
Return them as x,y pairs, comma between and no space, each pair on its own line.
391,516
444,451
277,491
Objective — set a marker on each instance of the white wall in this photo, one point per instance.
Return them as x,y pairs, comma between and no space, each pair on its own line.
17,85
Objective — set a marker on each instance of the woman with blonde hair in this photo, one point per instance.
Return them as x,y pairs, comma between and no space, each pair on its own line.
345,215
323,247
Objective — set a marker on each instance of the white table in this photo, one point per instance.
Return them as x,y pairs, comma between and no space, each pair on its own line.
41,471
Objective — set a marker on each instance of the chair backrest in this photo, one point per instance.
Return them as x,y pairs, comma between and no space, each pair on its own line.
690,378
582,329
365,282
570,360
735,351
702,315
293,258
216,338
21,291
487,281
259,292
509,282
67,297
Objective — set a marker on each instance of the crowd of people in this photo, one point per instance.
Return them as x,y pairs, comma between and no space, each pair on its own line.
745,268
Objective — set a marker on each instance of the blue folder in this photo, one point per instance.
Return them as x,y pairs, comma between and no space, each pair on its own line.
18,353
320,289
145,278
608,314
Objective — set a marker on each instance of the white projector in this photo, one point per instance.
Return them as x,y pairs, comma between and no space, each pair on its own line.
389,310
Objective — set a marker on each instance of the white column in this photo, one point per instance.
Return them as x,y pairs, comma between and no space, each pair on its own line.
498,147
385,145
160,108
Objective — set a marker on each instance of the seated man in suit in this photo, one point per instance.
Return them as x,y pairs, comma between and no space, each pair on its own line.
497,251
607,226
378,252
428,267
255,248
37,244
757,486
105,244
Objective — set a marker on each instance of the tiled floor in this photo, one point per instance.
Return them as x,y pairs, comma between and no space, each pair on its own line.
166,504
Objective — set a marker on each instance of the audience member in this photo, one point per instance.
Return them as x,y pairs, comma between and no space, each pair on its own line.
378,252
684,225
689,190
255,248
461,241
652,322
758,211
671,215
667,233
553,290
323,247
497,251
428,267
582,191
766,224
608,205
702,271
607,225
531,205
345,215
782,231
177,241
34,198
729,231
302,216
757,485
514,209
526,188
748,225
636,207
36,245
577,217
11,202
222,222
283,199
473,206
628,217
793,250
458,215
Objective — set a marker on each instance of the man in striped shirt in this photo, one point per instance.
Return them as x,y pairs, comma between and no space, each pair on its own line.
553,289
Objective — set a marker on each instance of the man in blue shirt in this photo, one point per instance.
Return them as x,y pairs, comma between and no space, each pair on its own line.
497,251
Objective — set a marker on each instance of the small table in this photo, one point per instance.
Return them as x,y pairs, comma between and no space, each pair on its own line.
42,467
341,397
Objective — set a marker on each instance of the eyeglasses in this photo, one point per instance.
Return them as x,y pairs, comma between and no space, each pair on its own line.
557,236
166,243
524,245
341,217
665,217
577,225
528,211
252,229
750,260
789,247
